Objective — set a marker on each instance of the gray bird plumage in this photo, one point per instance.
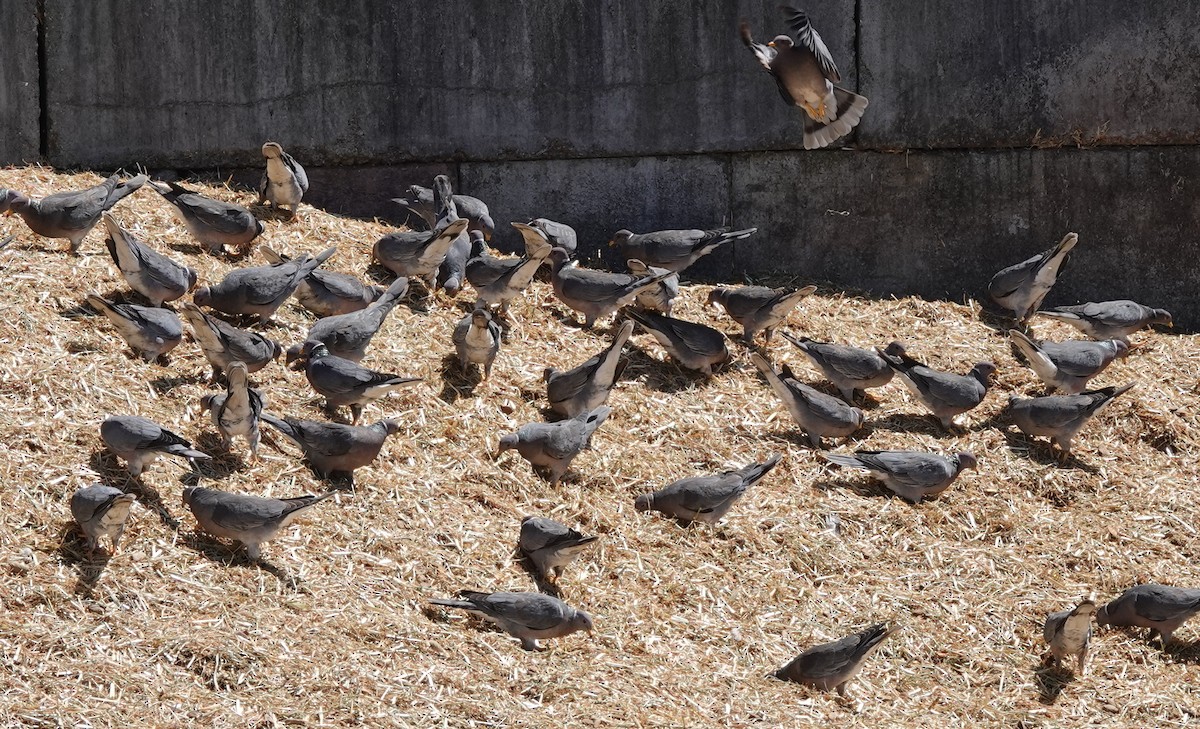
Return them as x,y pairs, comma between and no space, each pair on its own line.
1022,287
944,393
528,616
452,274
223,343
148,272
758,308
833,665
848,368
328,293
149,331
284,182
705,498
659,298
420,201
101,511
1161,608
333,448
1109,319
477,340
215,224
236,411
349,335
69,215
805,75
1067,366
259,290
695,346
245,518
595,293
587,386
497,281
560,235
343,382
674,250
418,254
912,475
554,445
1060,417
551,546
140,441
1068,633
818,415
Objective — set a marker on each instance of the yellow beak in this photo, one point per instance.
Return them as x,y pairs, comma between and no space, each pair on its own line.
771,44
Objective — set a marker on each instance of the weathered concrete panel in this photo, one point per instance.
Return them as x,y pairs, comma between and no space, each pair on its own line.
19,95
939,224
203,84
597,197
946,73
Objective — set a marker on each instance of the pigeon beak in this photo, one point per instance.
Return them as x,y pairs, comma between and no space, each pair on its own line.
771,44
487,236
612,243
8,213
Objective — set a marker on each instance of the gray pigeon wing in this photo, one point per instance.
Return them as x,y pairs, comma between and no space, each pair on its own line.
1166,605
918,470
951,390
804,35
532,611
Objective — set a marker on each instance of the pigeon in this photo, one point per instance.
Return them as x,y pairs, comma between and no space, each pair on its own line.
1020,288
248,519
237,410
850,369
1068,366
659,298
348,335
695,346
551,546
452,274
101,511
758,308
477,340
150,332
214,223
328,293
560,235
833,665
140,442
595,293
335,449
909,474
420,201
1109,319
69,215
705,498
537,243
223,343
343,382
554,445
805,75
944,393
284,182
818,415
674,250
497,281
1068,633
1158,607
586,387
417,254
1060,417
259,290
147,272
529,616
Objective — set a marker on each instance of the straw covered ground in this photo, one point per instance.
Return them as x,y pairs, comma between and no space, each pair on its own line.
334,629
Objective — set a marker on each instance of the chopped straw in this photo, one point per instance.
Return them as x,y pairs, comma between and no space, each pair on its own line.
335,629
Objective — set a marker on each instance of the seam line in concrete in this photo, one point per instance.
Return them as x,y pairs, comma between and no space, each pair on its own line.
43,80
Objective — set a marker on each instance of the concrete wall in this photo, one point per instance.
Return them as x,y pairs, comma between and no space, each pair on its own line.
623,113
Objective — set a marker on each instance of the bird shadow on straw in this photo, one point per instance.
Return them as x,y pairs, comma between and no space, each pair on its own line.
866,488
1183,652
1051,680
113,474
236,558
457,382
910,423
73,553
224,462
663,376
1000,322
1042,452
526,564
191,249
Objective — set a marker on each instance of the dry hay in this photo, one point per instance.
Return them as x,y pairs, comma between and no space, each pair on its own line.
336,631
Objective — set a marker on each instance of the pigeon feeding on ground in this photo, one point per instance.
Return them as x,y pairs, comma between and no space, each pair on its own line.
348,335
1068,366
328,293
1068,634
213,223
758,308
1020,288
659,298
818,415
850,369
101,511
833,665
223,343
695,346
529,616
140,442
554,445
595,293
334,449
148,272
245,518
284,182
705,498
150,332
343,382
1109,319
910,474
944,393
551,546
1060,417
587,386
69,215
259,290
1159,607
805,75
